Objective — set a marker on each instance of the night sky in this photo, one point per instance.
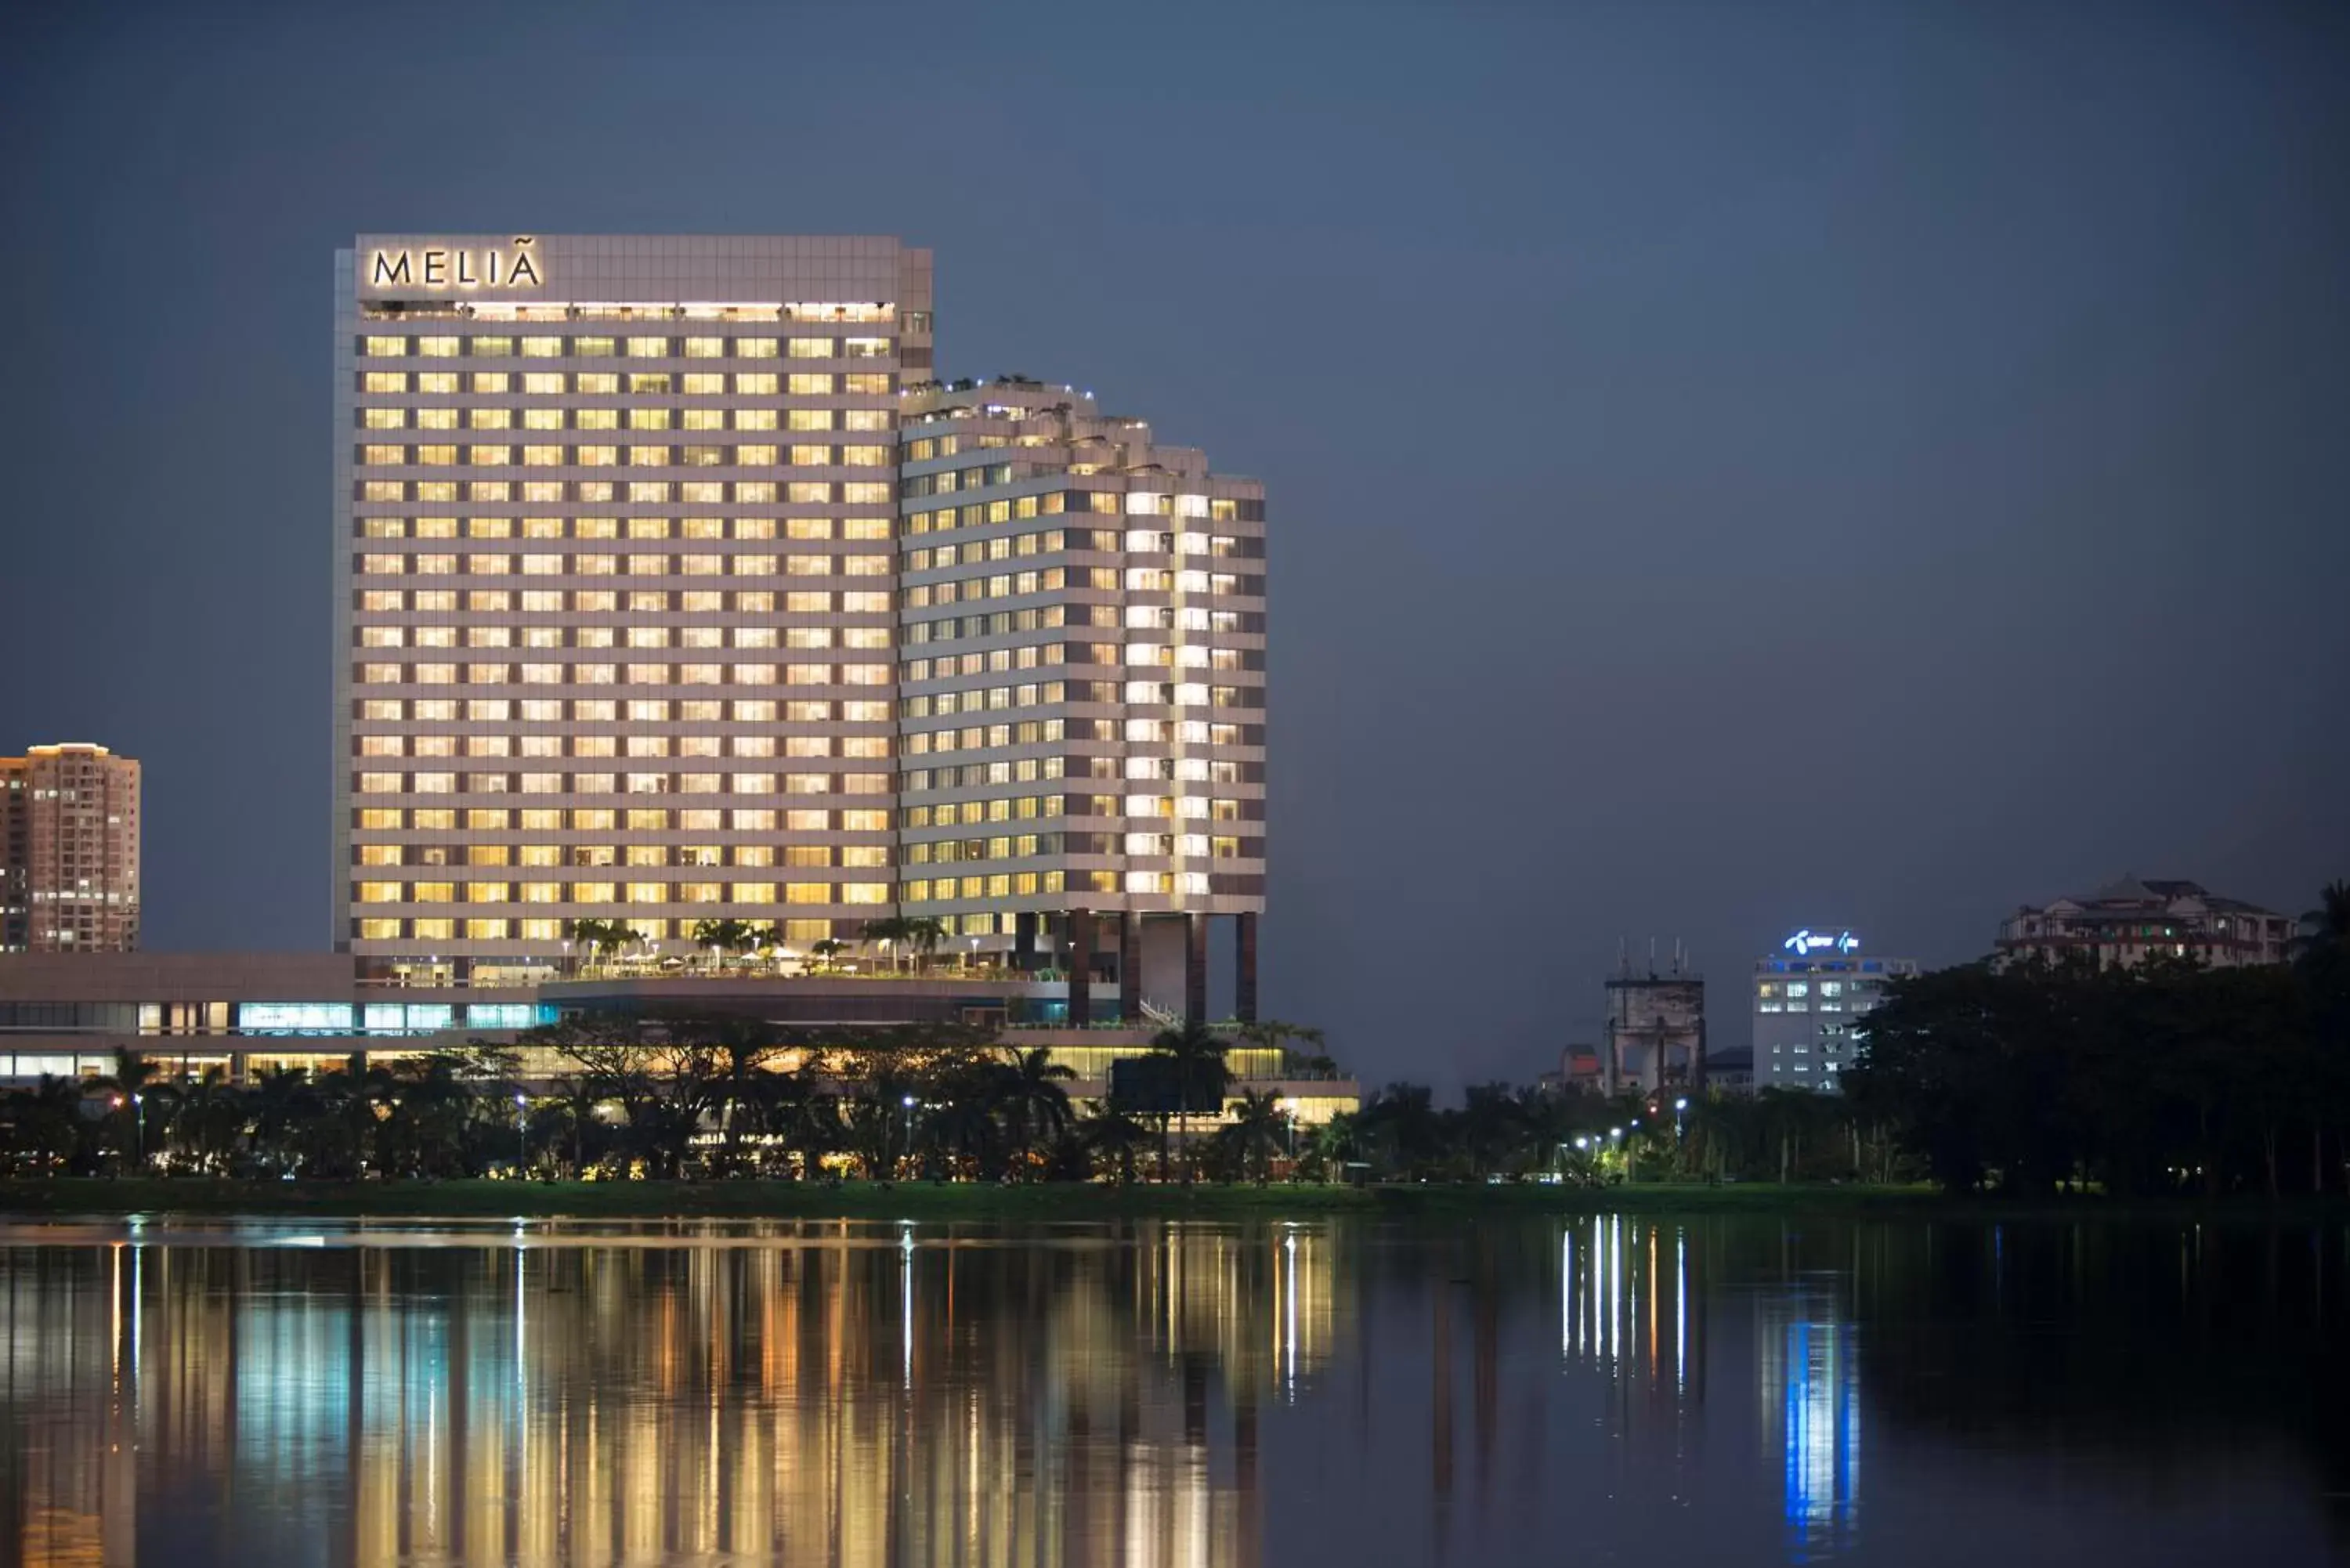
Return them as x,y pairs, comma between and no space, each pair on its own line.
1730,467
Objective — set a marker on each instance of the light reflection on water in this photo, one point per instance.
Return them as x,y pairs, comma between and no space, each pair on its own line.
1612,1389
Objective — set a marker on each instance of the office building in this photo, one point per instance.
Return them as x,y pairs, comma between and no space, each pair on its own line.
2124,923
642,601
69,851
1807,996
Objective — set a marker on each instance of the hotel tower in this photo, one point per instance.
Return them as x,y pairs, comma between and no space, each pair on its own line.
673,587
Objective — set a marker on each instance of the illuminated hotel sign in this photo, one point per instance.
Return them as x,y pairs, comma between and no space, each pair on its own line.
436,267
1807,941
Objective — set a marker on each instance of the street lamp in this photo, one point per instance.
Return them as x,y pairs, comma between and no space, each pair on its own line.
522,1133
909,1103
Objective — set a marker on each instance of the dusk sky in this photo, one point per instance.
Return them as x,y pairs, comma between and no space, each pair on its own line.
1729,467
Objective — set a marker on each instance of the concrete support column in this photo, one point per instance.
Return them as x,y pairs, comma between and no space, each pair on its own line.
1081,968
1023,942
1195,968
1129,966
1245,968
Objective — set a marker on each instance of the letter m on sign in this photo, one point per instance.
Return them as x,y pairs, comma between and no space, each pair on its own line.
387,270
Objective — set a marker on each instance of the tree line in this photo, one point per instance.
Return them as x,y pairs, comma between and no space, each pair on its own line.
2170,1076
670,1099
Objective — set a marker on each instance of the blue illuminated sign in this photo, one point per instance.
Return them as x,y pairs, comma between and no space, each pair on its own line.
1810,941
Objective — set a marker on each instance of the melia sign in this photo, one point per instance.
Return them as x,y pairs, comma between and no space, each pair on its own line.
435,267
1807,941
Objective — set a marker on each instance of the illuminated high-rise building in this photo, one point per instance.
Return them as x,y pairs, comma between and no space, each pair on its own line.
643,619
69,851
1083,617
618,635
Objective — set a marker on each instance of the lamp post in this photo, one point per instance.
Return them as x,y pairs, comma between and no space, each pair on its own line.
909,1103
139,1109
522,1133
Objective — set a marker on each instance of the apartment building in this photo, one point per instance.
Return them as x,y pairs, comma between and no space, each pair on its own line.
68,851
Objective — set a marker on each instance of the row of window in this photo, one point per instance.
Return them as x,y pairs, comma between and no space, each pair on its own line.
633,636
430,563
977,477
444,782
610,711
638,418
695,856
1136,618
491,346
636,492
992,737
635,602
639,383
713,528
1105,541
1100,502
1003,886
1101,580
752,746
607,819
550,674
980,775
560,456
623,893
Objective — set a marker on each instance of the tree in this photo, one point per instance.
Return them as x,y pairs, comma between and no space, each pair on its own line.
726,937
1111,1133
135,1079
824,955
1033,1099
1259,1131
1400,1131
606,936
1193,1078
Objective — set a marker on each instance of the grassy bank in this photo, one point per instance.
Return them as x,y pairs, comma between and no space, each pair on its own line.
916,1200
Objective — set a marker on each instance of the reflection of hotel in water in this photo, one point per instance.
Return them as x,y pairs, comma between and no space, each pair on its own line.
820,1393
1632,1303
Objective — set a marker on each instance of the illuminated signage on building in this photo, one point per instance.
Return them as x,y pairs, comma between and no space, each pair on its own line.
1810,941
438,267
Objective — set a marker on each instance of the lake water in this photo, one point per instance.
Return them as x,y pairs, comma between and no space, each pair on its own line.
1625,1390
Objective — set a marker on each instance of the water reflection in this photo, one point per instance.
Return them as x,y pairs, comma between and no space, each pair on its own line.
1615,1389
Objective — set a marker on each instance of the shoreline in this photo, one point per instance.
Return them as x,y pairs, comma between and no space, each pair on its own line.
757,1200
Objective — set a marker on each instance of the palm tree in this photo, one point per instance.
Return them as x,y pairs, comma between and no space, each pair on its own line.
923,933
46,1121
135,1078
1033,1099
889,932
726,936
2327,927
1110,1131
608,935
1260,1123
824,955
1194,1054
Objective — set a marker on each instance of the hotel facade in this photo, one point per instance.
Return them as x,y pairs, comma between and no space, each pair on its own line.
673,587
